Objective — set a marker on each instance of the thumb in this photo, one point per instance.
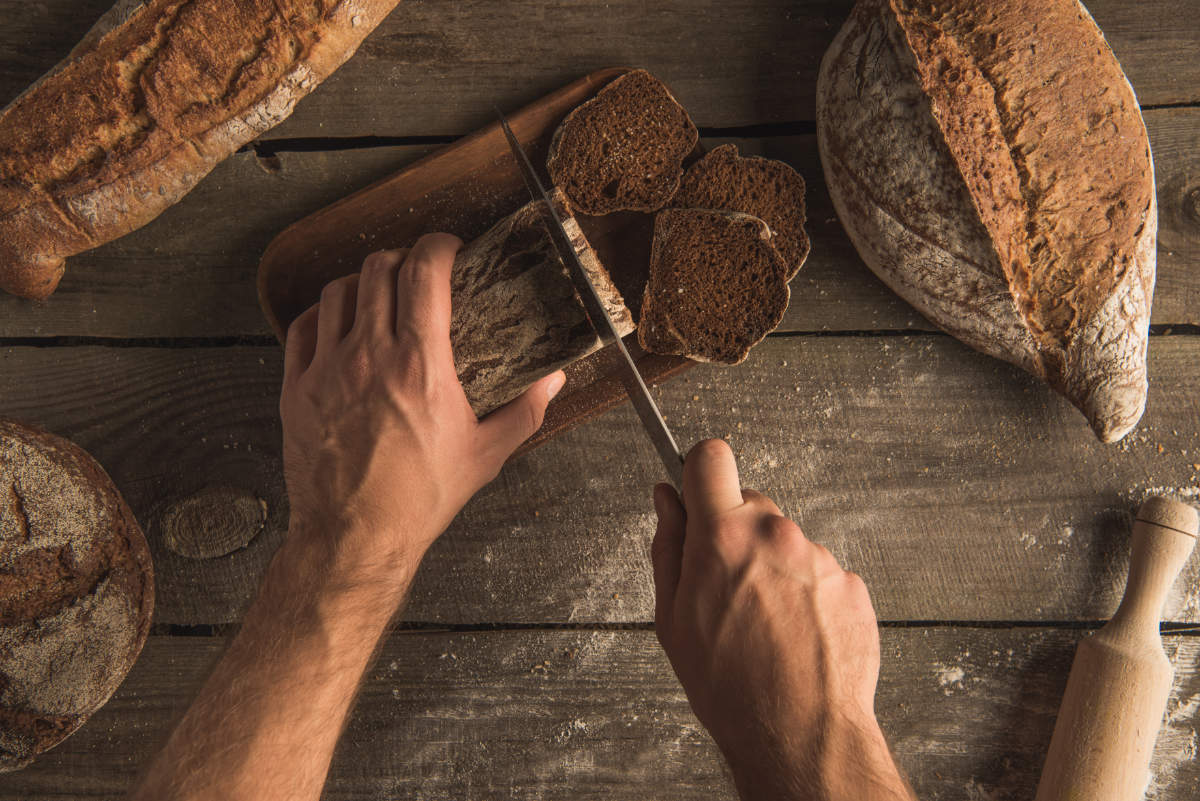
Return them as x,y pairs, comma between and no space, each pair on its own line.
503,431
666,552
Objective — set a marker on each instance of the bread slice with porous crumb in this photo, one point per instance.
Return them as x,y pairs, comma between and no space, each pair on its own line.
623,150
764,188
717,285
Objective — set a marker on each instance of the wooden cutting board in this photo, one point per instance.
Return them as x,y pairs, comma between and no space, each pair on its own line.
465,188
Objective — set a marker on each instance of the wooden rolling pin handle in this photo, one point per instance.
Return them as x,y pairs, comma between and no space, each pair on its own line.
1121,678
1164,535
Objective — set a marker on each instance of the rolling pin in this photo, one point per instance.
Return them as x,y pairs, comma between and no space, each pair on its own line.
1117,690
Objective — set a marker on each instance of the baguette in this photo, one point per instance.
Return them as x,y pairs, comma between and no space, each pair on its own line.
990,164
155,95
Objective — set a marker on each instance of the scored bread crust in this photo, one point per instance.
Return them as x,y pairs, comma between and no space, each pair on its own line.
76,591
983,176
155,95
688,311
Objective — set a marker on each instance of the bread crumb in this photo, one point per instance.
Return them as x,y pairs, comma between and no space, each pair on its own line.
950,678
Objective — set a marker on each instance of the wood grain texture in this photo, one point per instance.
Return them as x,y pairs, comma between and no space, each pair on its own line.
192,271
918,462
452,62
586,715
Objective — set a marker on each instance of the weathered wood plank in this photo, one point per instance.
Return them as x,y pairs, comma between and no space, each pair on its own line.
437,68
599,715
192,271
959,488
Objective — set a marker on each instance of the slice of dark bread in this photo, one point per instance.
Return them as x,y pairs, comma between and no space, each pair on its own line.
624,148
717,285
767,189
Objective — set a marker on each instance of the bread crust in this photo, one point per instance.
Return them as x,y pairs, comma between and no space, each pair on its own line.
983,178
77,590
516,314
154,97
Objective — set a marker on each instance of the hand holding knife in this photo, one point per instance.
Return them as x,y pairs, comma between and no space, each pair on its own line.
639,394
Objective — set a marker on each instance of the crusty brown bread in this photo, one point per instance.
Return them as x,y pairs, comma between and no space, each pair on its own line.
624,148
152,99
76,591
717,285
515,314
990,163
763,188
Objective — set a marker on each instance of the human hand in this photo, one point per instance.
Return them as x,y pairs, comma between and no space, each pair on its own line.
380,446
776,646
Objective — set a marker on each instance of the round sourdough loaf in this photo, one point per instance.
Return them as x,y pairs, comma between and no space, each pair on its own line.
76,590
990,164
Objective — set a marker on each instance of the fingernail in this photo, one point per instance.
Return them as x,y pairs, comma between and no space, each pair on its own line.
555,386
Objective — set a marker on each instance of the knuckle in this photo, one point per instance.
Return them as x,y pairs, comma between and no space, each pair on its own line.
777,527
421,262
357,362
532,418
333,291
297,325
439,239
855,582
824,560
379,261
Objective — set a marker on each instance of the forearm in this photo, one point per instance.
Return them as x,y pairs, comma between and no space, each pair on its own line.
266,721
838,760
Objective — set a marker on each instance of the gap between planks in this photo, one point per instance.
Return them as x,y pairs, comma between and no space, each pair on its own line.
262,340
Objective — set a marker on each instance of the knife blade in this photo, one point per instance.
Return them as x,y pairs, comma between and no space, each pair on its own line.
635,386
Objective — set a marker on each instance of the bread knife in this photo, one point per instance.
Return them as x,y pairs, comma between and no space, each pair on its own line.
639,394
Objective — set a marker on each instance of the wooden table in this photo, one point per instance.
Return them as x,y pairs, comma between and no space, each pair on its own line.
989,524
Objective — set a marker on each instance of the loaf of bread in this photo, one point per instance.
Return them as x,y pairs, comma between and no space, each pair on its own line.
515,314
717,285
76,591
990,164
624,148
763,188
144,107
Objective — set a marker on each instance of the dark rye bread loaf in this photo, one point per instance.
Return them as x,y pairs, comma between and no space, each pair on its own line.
717,285
622,150
990,164
515,314
76,590
144,107
763,188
